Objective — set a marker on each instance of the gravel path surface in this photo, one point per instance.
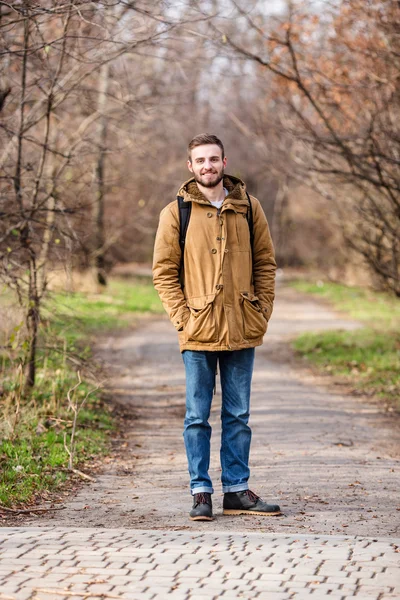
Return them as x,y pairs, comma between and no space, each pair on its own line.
330,461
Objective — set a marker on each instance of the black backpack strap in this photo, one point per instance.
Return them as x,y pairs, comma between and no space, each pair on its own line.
250,223
185,208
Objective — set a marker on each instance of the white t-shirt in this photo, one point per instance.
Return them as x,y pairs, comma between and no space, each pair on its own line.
218,203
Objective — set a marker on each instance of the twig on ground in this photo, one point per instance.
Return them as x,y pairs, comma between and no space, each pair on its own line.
29,510
75,407
77,472
83,595
83,475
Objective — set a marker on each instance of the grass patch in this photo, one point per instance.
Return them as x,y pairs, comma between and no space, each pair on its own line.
361,304
33,458
368,358
104,311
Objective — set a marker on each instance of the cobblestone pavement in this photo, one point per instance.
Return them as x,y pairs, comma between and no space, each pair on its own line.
66,563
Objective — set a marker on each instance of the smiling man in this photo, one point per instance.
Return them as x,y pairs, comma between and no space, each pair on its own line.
214,269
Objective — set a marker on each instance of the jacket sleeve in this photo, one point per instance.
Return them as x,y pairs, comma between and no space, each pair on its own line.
264,265
166,267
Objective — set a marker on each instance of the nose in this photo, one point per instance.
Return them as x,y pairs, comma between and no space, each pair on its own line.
208,165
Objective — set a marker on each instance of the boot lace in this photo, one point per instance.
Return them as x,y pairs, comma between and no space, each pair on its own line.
252,496
202,499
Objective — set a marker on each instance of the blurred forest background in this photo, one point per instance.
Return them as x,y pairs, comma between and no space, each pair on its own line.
100,99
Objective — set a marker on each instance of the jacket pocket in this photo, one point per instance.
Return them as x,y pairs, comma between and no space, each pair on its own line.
254,322
202,325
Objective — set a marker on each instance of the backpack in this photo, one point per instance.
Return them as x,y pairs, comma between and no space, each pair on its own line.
185,208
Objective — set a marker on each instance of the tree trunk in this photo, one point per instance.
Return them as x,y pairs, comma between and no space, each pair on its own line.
99,259
279,221
32,322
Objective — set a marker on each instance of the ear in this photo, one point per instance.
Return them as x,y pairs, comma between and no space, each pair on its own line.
189,166
224,161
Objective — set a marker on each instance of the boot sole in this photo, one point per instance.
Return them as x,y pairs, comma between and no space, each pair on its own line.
231,511
201,518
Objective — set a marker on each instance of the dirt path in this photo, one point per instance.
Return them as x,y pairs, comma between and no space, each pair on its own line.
329,460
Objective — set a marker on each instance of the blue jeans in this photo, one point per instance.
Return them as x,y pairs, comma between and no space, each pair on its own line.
236,369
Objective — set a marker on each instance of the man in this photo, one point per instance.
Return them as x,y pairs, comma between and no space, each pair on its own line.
218,293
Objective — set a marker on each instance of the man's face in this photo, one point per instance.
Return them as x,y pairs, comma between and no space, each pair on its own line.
207,165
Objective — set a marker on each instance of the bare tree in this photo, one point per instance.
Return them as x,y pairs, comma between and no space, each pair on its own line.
337,76
54,128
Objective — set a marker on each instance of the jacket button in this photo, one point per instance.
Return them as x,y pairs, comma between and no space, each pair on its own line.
209,215
218,239
214,251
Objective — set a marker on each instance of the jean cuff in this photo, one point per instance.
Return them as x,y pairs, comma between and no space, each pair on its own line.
239,487
202,490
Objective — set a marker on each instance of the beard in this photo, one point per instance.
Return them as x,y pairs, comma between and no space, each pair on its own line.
210,182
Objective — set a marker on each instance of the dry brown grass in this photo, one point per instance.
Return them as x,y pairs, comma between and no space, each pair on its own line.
64,280
11,316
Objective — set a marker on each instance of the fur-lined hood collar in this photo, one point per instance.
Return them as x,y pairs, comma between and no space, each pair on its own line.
235,186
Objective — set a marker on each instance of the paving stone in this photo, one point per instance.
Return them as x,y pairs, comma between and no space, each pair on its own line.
100,588
79,578
199,597
276,595
77,587
234,595
338,579
178,565
103,571
162,571
307,578
295,585
266,574
138,568
371,591
10,588
91,564
131,588
122,580
25,594
133,596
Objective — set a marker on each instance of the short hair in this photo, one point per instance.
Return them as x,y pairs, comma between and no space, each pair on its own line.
201,140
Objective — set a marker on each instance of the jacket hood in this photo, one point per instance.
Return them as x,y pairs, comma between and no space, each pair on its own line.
235,186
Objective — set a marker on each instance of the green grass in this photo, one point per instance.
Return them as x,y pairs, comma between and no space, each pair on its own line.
33,459
107,310
361,304
368,358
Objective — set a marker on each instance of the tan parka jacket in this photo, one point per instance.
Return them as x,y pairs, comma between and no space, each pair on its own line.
224,297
